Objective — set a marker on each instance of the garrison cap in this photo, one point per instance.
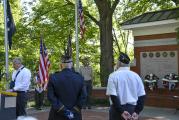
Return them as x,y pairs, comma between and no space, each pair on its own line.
66,59
124,58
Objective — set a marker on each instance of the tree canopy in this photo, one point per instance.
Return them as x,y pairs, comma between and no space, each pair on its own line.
55,20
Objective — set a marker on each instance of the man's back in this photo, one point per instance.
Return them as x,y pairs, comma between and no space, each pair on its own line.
126,91
67,86
128,85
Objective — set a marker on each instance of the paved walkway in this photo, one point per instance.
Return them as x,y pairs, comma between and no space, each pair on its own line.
101,113
161,113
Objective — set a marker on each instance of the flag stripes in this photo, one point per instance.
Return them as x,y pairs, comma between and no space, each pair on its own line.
44,63
81,18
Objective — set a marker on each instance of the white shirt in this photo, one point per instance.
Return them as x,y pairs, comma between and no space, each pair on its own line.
22,82
86,72
126,85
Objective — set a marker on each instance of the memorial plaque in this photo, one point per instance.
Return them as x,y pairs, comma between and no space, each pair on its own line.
159,63
8,105
10,102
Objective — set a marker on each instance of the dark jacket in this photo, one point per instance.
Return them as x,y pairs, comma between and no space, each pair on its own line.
65,88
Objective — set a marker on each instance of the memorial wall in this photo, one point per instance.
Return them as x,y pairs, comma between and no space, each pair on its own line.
159,63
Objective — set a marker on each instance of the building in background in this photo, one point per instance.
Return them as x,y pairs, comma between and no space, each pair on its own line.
156,50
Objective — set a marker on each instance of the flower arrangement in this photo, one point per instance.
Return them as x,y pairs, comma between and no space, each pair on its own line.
151,76
171,76
151,81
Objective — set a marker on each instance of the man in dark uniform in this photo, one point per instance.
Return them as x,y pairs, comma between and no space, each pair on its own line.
65,92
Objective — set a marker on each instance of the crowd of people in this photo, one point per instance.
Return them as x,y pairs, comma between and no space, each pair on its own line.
69,92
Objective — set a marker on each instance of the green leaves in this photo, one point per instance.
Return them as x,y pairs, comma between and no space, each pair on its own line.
55,20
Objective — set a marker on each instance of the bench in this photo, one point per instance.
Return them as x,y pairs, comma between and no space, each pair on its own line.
99,93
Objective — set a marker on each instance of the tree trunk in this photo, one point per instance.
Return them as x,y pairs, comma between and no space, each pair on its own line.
106,45
106,9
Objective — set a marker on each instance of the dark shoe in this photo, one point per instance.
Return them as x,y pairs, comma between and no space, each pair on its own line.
89,107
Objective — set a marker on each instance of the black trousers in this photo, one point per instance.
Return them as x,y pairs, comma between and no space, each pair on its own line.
88,87
115,115
39,99
21,103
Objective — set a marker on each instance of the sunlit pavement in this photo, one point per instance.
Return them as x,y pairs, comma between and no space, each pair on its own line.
161,113
101,113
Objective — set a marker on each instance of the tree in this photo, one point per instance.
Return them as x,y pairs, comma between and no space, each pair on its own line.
106,9
52,11
54,18
176,2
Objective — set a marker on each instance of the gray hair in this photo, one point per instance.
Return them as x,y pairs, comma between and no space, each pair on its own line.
68,65
120,64
17,60
26,118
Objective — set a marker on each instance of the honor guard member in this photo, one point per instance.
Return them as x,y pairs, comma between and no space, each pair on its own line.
65,92
126,91
20,83
39,92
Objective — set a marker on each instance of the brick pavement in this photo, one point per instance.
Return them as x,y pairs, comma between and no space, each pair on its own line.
87,115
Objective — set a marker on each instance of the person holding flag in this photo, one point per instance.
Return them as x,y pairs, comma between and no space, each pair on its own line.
44,64
41,78
39,93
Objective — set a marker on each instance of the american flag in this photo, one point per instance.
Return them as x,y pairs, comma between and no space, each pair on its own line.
81,18
44,63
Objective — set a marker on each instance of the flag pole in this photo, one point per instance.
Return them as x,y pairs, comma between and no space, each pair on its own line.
6,39
76,36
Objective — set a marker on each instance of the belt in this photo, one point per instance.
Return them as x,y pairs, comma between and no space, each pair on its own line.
87,80
20,91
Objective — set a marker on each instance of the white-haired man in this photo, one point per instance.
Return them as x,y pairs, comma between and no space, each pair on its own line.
126,91
20,83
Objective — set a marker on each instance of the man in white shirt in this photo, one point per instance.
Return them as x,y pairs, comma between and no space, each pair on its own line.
87,73
20,83
126,91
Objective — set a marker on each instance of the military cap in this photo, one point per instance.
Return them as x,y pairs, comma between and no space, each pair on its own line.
124,58
66,59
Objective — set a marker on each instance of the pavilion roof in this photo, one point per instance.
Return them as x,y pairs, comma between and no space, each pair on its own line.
154,16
